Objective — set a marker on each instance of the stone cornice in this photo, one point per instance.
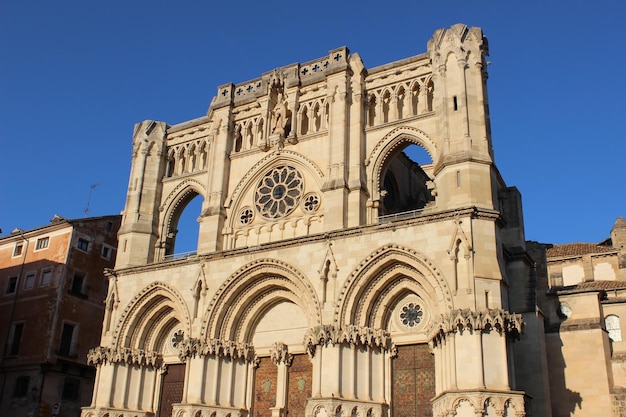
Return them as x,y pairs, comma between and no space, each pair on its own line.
102,355
504,322
190,348
354,335
425,217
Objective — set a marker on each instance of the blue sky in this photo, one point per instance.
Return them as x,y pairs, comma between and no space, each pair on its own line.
75,76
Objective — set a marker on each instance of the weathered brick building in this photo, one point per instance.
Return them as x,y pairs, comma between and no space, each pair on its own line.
335,273
52,288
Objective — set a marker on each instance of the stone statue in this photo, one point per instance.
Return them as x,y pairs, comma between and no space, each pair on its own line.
279,120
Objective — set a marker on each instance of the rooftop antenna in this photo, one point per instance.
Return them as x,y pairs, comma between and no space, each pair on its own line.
91,187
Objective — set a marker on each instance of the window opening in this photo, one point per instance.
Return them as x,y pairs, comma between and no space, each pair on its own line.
29,281
17,251
11,285
66,347
456,105
42,243
21,386
46,277
77,284
15,339
83,244
612,324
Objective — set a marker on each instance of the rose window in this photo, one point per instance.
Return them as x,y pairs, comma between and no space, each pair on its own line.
411,314
279,192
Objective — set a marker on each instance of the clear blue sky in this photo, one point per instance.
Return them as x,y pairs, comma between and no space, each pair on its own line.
75,76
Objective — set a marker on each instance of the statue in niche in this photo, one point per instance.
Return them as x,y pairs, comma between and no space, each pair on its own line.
279,124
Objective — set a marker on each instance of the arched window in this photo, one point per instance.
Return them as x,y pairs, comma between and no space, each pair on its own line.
386,102
304,121
613,327
372,110
400,101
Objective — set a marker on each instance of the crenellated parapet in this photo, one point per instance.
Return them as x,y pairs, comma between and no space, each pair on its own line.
458,321
190,348
354,335
102,355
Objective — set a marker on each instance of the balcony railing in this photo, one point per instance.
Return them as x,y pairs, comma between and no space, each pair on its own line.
400,216
180,255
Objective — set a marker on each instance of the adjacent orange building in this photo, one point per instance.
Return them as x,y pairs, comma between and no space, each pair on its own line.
52,289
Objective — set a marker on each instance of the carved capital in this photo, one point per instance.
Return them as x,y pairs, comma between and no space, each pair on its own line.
190,348
102,355
502,321
364,336
279,353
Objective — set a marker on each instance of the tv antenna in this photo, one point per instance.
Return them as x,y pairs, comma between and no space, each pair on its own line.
91,187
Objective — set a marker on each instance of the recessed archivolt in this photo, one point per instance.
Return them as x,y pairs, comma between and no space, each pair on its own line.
361,294
146,313
239,303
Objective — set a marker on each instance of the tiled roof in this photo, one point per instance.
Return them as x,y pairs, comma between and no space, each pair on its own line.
599,285
577,249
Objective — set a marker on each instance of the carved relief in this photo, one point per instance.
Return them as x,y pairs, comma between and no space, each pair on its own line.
279,353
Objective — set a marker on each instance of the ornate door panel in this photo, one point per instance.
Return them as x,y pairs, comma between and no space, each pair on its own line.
265,378
413,373
299,386
171,389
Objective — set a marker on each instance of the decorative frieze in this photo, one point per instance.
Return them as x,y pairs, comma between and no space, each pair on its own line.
190,348
102,355
502,321
355,335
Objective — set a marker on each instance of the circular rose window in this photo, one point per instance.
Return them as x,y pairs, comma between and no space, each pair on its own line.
411,314
279,192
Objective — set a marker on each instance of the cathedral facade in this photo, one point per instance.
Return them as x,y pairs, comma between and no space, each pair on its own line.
335,275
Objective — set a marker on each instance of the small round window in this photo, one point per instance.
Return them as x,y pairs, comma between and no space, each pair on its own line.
279,192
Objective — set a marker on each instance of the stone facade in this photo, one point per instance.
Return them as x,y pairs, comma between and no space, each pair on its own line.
334,274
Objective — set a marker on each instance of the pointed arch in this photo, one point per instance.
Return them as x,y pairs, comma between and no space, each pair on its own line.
388,146
252,290
172,208
384,277
149,316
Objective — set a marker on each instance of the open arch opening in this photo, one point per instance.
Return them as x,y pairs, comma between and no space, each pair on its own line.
184,229
405,179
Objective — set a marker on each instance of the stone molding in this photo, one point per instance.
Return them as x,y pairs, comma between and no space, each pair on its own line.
334,407
354,335
279,353
112,412
102,355
505,403
504,322
190,348
194,410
